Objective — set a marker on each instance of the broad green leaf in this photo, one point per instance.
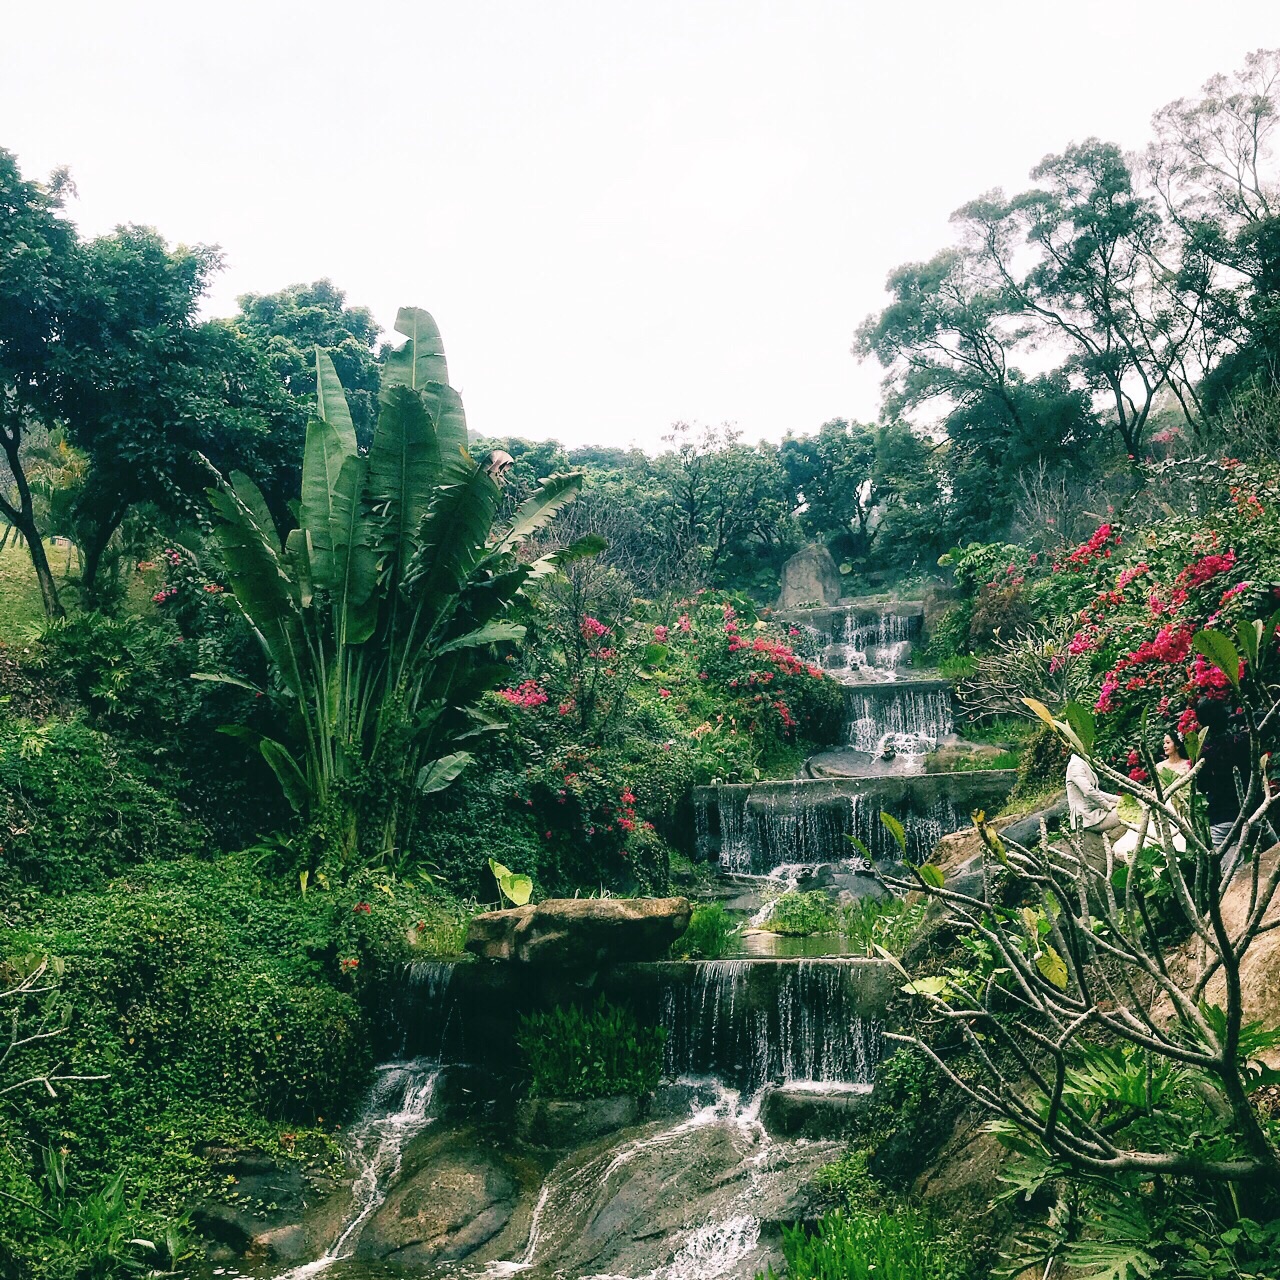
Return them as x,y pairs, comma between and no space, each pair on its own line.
355,565
932,986
258,579
304,878
440,773
1052,968
1250,637
331,402
540,507
322,458
498,869
1083,724
894,828
298,549
404,467
421,359
590,545
1216,648
292,780
931,875
654,654
500,632
444,405
451,538
518,888
861,848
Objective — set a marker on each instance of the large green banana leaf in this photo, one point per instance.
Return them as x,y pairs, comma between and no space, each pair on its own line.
404,465
322,459
540,508
262,588
355,563
331,402
452,537
444,405
421,359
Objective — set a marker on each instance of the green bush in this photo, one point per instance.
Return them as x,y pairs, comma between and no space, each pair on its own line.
948,636
902,1244
75,808
1043,763
884,922
802,914
710,934
590,1053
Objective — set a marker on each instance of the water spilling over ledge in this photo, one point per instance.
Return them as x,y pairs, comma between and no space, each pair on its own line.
745,1021
758,827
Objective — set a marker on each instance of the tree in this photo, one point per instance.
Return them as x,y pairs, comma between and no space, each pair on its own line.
1102,1003
1096,282
37,248
725,498
832,484
1212,163
378,612
143,386
289,324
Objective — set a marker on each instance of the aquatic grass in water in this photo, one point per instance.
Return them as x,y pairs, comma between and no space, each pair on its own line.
590,1053
884,922
800,915
900,1245
710,934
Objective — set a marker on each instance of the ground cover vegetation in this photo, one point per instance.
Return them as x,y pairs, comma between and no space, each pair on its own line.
288,656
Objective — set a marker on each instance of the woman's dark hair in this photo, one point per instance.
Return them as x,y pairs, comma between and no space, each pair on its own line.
1178,745
1212,713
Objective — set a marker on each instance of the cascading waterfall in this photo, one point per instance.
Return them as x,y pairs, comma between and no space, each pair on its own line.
751,1022
398,1109
914,720
862,647
425,1016
735,835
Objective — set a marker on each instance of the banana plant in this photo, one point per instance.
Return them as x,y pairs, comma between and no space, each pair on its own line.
384,613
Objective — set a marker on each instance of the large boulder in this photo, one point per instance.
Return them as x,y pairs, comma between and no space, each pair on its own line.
454,1194
581,933
809,577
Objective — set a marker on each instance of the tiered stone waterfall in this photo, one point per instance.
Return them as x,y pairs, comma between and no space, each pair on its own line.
896,715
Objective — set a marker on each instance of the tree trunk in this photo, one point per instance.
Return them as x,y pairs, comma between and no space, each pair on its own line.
23,518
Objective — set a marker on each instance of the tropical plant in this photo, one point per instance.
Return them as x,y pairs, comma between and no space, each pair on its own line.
381,612
590,1053
1106,1042
512,888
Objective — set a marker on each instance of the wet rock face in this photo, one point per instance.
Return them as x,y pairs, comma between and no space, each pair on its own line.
563,1123
455,1195
581,933
809,577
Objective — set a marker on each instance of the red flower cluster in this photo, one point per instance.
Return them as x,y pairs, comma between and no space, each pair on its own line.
528,694
1196,575
593,629
1089,551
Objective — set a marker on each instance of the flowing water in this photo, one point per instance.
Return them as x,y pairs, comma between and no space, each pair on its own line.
862,648
397,1110
912,721
749,1021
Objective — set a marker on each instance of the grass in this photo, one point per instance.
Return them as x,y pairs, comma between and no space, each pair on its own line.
22,610
958,667
899,1244
710,934
1000,731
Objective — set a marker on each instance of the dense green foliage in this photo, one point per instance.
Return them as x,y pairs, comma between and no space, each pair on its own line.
710,935
571,1052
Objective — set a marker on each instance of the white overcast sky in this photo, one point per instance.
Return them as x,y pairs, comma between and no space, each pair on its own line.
621,214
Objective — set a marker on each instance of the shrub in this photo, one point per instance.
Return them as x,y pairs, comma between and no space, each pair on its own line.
999,610
593,1053
1043,763
904,1244
948,636
75,808
884,922
710,934
802,914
